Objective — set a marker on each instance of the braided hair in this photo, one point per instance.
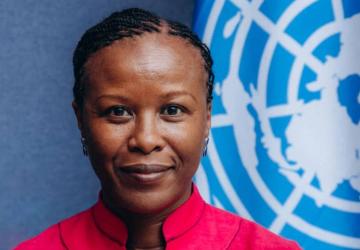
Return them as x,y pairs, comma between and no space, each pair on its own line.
126,24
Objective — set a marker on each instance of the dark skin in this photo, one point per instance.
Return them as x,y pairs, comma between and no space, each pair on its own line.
145,120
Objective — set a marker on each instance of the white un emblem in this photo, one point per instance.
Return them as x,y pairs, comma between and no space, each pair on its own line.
284,147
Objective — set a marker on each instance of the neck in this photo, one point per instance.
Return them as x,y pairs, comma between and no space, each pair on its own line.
145,233
144,230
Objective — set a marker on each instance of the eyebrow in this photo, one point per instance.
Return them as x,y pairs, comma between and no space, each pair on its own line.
178,93
118,97
165,96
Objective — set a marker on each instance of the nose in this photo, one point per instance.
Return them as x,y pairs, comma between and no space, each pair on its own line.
146,136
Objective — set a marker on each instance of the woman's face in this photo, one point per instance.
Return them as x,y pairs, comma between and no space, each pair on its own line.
145,119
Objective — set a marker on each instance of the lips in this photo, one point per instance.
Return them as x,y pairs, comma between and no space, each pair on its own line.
144,173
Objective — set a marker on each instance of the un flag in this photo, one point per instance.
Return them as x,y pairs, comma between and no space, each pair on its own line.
284,148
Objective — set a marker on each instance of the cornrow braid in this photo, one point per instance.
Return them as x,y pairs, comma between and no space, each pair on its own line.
178,29
126,24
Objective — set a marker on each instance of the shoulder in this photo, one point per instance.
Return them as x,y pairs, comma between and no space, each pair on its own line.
49,237
245,234
52,237
255,236
221,219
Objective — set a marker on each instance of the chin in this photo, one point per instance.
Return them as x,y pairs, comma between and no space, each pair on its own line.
154,201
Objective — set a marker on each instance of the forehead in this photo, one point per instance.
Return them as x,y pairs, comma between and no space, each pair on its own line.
151,54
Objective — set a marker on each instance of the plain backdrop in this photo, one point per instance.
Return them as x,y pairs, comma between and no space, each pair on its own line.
43,175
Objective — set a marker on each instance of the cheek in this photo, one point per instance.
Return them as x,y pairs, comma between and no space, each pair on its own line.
187,141
105,140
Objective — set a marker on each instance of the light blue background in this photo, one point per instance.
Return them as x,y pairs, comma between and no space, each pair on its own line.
44,176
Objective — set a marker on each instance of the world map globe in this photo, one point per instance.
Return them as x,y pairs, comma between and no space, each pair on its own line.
284,147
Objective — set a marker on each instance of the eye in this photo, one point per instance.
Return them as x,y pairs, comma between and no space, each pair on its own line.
172,110
118,111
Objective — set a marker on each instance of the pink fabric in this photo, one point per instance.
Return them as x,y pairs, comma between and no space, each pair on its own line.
194,225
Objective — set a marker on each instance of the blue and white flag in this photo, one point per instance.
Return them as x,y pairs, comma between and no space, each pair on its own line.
284,148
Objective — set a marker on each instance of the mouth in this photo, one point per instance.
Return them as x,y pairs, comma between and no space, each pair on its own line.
144,173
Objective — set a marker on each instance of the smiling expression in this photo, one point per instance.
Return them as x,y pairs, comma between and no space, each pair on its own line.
145,119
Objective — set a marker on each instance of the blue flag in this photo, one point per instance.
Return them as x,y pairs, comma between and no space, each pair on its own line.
284,147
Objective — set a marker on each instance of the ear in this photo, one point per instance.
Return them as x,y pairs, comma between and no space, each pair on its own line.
208,120
78,114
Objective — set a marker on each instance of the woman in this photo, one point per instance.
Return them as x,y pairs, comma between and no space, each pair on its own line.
142,99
